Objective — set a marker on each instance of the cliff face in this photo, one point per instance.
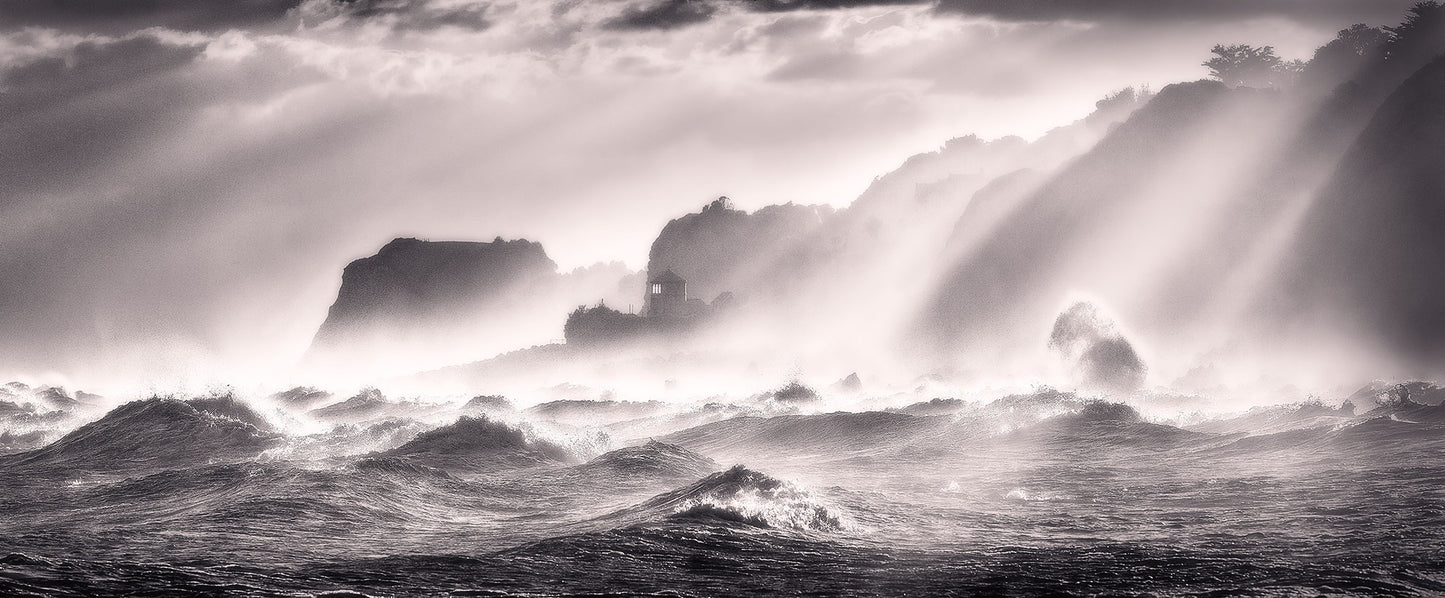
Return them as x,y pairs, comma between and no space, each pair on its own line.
1015,274
721,249
1370,246
1217,215
419,305
950,175
810,267
411,281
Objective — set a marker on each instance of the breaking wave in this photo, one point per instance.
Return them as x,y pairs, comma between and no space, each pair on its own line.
161,431
479,442
744,496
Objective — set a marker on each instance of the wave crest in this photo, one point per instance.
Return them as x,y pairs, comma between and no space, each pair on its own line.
479,442
741,495
163,430
652,459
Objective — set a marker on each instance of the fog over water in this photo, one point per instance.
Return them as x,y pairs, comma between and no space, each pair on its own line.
715,297
187,182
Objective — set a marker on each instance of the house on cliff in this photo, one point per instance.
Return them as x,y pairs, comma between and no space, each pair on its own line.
667,311
666,295
667,298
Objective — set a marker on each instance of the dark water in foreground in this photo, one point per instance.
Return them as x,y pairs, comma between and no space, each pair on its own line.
1036,497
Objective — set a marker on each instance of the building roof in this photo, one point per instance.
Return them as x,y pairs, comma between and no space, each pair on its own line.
666,276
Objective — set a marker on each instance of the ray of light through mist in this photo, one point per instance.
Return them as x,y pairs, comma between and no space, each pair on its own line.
722,297
186,186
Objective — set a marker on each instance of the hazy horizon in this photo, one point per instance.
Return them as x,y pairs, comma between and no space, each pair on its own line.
192,181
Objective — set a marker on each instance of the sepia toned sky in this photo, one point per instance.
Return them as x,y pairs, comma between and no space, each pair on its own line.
183,180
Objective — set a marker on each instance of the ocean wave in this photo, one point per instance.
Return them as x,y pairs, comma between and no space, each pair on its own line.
300,397
935,406
839,433
482,443
1278,418
1410,411
345,440
162,431
594,412
1422,433
51,398
1026,495
492,405
1101,424
1382,432
370,405
398,467
654,459
742,495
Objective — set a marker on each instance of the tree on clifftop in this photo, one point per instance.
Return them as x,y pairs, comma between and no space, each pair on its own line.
1246,65
1421,36
1343,58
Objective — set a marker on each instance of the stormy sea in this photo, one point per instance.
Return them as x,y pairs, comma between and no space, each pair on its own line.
1040,492
715,298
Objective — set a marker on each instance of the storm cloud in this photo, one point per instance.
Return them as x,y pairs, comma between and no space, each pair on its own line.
399,15
1328,11
110,16
668,14
674,14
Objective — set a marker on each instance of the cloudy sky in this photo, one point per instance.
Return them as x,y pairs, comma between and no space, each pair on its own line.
181,181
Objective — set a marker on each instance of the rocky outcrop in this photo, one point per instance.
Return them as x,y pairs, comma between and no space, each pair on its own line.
411,281
722,249
419,305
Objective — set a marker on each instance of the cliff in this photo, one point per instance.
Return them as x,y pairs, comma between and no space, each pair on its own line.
421,304
804,269
410,281
1370,245
722,249
1216,215
1014,274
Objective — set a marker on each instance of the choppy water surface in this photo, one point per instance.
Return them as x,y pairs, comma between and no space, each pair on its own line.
1030,494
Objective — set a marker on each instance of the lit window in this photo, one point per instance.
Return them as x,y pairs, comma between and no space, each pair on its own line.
657,288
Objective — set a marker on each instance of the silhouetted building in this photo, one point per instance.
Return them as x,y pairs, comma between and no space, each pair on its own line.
666,295
667,313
